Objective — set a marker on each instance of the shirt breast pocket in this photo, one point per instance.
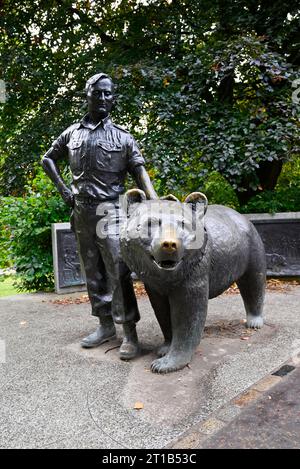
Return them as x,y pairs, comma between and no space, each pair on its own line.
75,148
110,156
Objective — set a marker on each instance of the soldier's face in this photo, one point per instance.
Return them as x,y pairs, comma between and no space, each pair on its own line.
100,97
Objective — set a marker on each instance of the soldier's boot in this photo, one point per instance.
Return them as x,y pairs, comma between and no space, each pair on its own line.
130,346
105,331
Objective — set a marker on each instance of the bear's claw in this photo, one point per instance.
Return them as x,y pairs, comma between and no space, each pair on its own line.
254,322
168,364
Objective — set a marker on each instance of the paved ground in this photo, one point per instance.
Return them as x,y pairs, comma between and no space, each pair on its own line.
273,421
56,395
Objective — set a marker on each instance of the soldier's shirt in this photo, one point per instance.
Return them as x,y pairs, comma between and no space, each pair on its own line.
99,156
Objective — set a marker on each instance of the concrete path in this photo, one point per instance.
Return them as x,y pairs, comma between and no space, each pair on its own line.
272,421
56,395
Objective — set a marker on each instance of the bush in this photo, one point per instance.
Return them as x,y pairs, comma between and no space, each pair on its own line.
284,199
290,174
26,242
219,191
5,217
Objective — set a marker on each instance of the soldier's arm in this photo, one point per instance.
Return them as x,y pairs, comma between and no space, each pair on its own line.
137,170
58,151
143,181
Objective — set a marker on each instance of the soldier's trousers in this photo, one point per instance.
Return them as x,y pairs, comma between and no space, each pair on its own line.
108,279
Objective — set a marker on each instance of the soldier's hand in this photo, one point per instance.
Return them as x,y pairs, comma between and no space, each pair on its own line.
68,197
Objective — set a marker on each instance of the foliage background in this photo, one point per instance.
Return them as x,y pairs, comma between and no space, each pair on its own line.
206,88
25,227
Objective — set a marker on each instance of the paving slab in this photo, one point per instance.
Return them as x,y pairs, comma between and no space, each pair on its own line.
272,422
56,395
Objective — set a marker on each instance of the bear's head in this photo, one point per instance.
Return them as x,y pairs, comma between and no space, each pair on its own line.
163,238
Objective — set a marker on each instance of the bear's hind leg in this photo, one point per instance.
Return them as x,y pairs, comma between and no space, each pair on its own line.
161,306
252,287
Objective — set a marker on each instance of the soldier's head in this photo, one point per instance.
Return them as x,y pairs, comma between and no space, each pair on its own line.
100,94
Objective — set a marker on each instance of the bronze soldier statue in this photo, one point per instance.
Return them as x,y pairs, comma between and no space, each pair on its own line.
100,154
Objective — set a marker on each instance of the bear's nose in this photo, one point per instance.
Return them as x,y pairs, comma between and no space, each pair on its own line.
169,245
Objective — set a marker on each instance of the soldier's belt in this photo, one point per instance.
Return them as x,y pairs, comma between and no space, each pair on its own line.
91,200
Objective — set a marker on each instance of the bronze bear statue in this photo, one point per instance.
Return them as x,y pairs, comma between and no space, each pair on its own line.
186,253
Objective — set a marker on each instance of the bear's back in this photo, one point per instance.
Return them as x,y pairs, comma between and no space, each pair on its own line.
230,235
226,225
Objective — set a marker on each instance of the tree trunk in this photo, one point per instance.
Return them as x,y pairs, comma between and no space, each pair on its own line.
268,174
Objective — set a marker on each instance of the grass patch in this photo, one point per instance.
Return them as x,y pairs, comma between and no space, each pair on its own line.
7,288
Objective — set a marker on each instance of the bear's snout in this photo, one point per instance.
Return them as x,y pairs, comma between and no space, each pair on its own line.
169,245
167,251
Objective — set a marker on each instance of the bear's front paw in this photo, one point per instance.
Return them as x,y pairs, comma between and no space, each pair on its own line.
167,364
163,349
254,322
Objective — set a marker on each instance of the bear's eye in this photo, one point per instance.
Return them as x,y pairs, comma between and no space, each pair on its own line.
154,222
184,224
138,228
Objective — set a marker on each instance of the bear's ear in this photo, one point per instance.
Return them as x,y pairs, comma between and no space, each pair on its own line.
197,198
169,197
130,200
134,196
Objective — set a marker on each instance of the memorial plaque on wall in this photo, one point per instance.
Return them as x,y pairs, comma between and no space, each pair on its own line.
281,237
68,273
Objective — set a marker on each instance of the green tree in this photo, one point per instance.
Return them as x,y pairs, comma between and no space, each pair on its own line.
204,85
